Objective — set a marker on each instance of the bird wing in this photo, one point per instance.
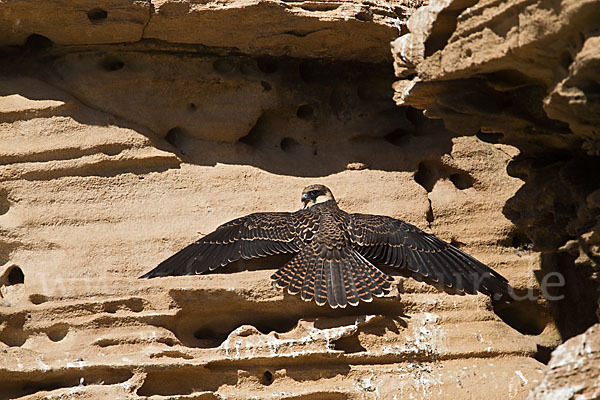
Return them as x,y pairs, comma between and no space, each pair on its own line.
255,235
389,241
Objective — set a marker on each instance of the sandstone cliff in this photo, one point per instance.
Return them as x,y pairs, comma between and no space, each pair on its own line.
128,128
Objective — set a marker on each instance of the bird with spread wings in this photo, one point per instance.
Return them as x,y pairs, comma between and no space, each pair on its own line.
336,253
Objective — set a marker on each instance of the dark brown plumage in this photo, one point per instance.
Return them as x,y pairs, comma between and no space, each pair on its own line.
336,253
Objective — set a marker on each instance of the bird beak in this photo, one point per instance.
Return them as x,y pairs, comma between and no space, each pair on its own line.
305,199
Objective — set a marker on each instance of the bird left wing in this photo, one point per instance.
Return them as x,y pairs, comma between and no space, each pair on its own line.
255,235
393,242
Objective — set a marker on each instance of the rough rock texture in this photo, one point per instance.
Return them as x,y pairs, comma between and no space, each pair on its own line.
523,73
128,128
574,370
281,28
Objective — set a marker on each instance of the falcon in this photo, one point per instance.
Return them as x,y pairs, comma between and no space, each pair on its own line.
335,253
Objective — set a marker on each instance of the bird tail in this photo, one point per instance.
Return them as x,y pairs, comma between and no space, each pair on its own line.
337,277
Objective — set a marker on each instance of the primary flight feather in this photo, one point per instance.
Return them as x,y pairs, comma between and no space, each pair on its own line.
335,253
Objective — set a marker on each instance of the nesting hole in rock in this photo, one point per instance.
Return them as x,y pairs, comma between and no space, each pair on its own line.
175,137
268,65
364,16
288,144
526,316
15,276
398,137
426,176
36,43
266,86
38,298
112,63
349,344
133,304
309,71
565,60
267,378
305,112
207,337
490,137
58,332
543,353
97,15
429,213
518,239
462,180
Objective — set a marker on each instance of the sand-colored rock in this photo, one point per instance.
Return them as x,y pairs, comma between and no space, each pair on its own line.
91,200
522,73
574,370
316,29
128,129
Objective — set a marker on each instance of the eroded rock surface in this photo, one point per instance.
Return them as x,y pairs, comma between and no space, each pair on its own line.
128,128
573,371
526,74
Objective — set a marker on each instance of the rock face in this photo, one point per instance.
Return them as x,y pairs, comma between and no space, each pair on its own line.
522,73
129,128
573,369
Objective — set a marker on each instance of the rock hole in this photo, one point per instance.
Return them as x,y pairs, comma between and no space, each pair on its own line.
490,137
288,144
112,152
97,15
224,65
349,345
277,324
58,332
268,65
16,276
36,43
207,338
4,203
308,71
461,180
38,298
415,116
429,213
175,137
305,112
267,378
112,63
517,239
468,53
255,134
364,16
192,107
266,86
565,60
543,353
398,137
426,176
456,243
526,316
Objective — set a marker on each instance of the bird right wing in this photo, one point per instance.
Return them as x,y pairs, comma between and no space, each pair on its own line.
393,242
255,235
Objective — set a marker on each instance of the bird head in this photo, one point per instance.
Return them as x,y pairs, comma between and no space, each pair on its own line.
315,194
